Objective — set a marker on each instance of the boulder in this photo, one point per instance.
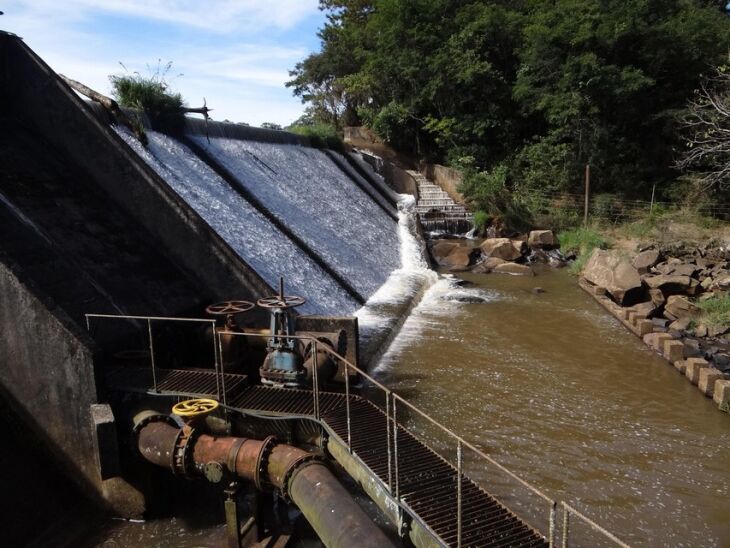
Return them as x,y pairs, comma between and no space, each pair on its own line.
721,282
706,283
645,310
514,269
717,330
460,256
657,297
542,239
680,307
487,265
645,260
442,249
612,271
680,325
684,269
670,284
503,248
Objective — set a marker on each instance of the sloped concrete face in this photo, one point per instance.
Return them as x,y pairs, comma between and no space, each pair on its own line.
48,372
34,91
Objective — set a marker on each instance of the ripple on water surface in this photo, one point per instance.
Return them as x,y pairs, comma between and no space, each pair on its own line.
560,392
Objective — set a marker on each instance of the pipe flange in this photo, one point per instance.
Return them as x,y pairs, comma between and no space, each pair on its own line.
233,454
149,417
182,455
262,462
143,419
298,464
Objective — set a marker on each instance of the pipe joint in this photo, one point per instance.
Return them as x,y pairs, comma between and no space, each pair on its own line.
183,463
295,467
261,478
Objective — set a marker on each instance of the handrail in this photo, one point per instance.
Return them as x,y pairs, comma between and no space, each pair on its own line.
569,510
391,421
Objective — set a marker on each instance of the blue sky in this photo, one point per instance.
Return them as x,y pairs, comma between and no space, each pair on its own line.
235,53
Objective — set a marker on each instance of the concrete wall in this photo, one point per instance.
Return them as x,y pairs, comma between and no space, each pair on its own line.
47,370
36,93
445,177
395,177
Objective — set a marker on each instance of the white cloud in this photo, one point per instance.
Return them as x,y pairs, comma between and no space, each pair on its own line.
218,16
241,73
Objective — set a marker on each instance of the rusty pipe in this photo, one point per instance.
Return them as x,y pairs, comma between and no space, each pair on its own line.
334,515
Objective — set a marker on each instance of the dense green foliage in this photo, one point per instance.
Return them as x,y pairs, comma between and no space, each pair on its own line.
152,95
521,94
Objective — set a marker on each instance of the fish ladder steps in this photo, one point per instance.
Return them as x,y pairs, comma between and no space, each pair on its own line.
427,483
437,210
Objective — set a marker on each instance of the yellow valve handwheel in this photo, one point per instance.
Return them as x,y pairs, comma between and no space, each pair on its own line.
194,408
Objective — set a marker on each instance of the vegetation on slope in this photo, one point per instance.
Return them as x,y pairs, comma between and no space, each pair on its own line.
715,311
521,95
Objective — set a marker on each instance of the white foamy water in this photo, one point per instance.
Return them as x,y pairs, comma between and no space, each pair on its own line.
249,233
303,187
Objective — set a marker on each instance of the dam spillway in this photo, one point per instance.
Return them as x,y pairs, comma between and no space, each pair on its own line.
103,233
246,230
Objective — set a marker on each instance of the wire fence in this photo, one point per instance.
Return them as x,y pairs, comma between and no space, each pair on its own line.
610,207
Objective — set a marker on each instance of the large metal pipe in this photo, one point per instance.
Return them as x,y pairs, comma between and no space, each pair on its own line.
300,476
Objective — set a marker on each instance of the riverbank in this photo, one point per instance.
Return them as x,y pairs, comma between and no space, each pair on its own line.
551,386
666,280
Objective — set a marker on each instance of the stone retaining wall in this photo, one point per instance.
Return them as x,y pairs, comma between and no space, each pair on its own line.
710,382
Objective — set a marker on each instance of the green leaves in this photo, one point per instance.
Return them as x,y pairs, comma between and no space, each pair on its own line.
531,88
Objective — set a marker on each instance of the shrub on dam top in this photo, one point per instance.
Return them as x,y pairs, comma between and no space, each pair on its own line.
152,95
319,135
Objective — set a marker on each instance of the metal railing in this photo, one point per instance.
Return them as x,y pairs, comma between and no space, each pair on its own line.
390,405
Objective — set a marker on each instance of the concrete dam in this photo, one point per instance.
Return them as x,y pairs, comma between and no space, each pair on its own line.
198,315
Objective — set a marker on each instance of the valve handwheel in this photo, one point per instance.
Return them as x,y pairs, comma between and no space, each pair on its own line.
285,301
194,408
281,300
229,308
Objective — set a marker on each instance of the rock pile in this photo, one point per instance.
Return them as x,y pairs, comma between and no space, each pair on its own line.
514,256
658,291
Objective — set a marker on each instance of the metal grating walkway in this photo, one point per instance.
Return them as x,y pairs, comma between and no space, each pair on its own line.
427,483
172,382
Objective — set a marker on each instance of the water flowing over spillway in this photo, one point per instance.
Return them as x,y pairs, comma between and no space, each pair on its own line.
247,231
305,189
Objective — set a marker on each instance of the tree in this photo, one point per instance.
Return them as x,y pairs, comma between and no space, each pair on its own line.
707,125
271,125
529,89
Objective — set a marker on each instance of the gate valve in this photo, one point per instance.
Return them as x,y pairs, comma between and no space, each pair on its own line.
283,365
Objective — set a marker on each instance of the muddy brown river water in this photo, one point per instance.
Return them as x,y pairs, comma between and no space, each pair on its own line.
559,392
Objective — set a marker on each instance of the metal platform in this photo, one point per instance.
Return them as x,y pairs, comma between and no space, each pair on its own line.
426,483
173,382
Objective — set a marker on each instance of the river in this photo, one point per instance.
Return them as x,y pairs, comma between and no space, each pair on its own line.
558,391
